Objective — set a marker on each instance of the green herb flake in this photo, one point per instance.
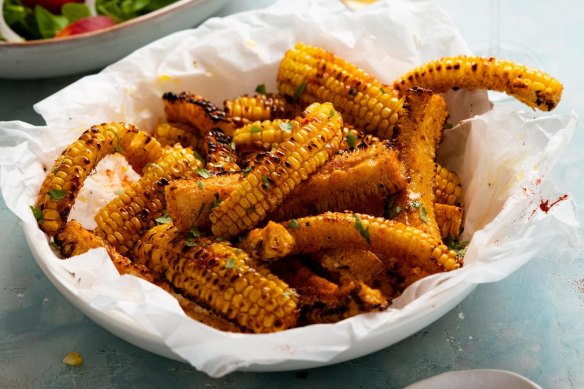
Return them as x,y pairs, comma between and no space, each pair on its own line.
351,139
390,211
293,224
416,204
255,129
286,126
203,172
287,293
300,90
200,185
232,145
424,215
198,156
230,263
191,243
246,171
220,239
38,214
364,232
57,194
266,183
261,89
201,208
332,113
195,233
164,219
382,90
216,202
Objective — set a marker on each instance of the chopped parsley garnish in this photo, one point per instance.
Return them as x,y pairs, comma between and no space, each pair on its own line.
287,293
191,243
390,211
57,194
56,169
453,244
293,224
331,113
118,148
261,89
232,145
382,90
416,204
203,172
246,171
351,139
216,202
220,239
164,219
286,126
266,183
255,129
230,263
38,214
200,185
424,215
300,90
364,232
195,233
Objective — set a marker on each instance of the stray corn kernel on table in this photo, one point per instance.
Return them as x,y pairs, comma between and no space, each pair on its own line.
530,323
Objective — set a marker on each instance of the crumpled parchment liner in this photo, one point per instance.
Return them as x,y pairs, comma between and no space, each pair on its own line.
503,157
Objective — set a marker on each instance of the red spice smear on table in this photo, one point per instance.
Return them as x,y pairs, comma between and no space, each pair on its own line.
545,205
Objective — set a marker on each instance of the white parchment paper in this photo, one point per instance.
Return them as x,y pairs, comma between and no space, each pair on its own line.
514,212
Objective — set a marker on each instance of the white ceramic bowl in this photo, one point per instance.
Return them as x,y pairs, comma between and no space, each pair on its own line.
93,50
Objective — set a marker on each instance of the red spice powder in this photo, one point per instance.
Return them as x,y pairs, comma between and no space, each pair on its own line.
545,205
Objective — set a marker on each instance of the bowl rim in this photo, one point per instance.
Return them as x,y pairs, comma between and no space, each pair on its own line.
104,31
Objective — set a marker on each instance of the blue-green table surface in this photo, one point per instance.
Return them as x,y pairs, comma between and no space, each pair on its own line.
531,323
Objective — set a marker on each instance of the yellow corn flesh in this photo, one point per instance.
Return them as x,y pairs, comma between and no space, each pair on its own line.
447,187
218,276
261,107
530,86
126,217
264,135
271,180
311,74
169,134
449,219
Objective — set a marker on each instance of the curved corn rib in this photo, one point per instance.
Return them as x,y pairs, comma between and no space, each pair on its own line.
270,181
310,74
77,161
264,135
220,153
447,188
322,301
358,181
126,217
261,107
532,87
196,112
169,134
419,131
386,238
449,219
218,277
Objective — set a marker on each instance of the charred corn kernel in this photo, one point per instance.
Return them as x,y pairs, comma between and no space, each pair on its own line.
169,134
126,217
447,188
215,274
356,139
322,301
189,202
267,184
221,155
74,239
449,219
261,107
264,135
359,181
78,160
386,238
197,112
530,86
311,74
419,131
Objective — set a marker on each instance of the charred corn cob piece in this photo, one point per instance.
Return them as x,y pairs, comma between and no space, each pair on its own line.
310,74
271,242
264,135
197,112
530,86
260,107
190,202
356,139
271,180
169,134
343,266
126,217
218,277
447,188
77,161
359,181
74,239
220,152
322,301
449,219
385,238
419,131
